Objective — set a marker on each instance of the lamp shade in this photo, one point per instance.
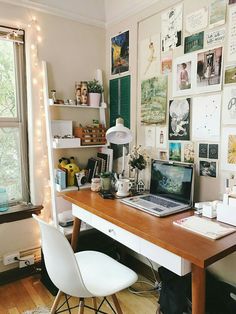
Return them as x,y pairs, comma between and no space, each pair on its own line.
119,134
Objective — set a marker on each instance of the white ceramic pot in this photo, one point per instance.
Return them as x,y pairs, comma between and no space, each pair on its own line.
94,99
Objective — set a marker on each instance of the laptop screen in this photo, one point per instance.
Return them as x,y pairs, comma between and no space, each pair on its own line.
172,180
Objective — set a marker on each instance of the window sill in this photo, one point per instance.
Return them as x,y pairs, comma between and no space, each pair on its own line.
19,212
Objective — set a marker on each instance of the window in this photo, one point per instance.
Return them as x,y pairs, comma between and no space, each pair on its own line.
13,114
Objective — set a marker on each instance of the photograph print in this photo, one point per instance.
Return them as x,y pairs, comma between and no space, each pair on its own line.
120,53
175,151
189,152
183,75
207,168
179,119
193,42
209,68
203,150
228,149
230,74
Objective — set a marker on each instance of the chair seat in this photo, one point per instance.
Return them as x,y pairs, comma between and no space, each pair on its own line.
102,275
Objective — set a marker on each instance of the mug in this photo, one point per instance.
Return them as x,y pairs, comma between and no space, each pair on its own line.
123,187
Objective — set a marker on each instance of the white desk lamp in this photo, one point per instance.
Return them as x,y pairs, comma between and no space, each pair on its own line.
121,135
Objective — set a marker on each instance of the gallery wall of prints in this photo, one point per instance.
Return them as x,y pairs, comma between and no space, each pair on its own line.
187,89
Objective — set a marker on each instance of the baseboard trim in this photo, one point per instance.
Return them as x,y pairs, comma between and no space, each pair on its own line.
19,273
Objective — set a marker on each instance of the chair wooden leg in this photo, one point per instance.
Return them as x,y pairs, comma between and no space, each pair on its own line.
117,305
95,304
56,301
81,306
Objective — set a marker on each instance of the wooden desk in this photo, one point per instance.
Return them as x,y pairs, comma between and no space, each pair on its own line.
157,238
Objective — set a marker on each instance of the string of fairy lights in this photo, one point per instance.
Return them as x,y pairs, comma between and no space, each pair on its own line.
40,149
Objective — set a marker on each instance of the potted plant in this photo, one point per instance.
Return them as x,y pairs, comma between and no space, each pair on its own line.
95,90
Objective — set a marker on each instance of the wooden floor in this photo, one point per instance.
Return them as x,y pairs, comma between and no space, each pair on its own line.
29,293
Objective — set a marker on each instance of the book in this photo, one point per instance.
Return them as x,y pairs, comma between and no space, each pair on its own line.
91,167
104,157
205,227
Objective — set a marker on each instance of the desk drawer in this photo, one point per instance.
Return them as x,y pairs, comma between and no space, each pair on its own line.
125,237
165,258
82,214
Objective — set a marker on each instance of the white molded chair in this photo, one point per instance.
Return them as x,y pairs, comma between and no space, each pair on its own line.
87,274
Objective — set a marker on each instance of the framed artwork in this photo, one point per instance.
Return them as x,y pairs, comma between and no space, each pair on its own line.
208,168
179,119
120,53
161,136
175,151
171,28
189,152
217,13
154,100
230,74
232,1
193,42
228,149
183,75
229,105
206,117
203,150
209,69
149,56
213,151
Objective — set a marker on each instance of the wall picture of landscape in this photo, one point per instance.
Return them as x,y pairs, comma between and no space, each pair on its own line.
154,100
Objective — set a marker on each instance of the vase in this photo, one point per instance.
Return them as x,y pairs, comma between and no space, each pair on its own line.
94,99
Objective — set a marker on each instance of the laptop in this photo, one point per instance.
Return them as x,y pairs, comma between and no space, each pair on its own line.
171,189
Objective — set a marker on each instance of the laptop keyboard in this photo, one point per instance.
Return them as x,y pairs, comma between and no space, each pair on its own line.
160,201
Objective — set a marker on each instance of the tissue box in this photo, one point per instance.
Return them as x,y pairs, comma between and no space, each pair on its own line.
209,210
226,213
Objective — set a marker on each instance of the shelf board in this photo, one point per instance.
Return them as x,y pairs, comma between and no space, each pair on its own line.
104,106
74,188
82,146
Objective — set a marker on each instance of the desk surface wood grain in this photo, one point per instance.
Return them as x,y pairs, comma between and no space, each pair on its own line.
160,231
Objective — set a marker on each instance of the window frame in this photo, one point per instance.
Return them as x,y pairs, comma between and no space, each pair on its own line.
20,121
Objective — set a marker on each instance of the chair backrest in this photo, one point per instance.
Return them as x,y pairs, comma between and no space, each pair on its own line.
60,261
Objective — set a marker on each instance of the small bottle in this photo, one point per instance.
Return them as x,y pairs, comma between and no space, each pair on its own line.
3,200
161,137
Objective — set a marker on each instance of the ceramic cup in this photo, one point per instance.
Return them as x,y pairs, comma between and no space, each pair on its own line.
123,187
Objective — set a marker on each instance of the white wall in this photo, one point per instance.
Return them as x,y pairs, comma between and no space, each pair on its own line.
73,51
141,26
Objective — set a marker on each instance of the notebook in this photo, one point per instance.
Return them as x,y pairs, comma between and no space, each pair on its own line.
204,227
171,189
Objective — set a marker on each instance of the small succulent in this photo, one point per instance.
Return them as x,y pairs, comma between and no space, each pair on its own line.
94,87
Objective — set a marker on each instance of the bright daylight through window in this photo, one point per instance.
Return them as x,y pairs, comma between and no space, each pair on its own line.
13,135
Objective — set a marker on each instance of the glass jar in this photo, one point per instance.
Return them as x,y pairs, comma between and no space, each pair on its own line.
106,184
3,200
95,184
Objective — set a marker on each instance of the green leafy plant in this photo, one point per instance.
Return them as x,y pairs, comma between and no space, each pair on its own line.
106,175
94,87
138,158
